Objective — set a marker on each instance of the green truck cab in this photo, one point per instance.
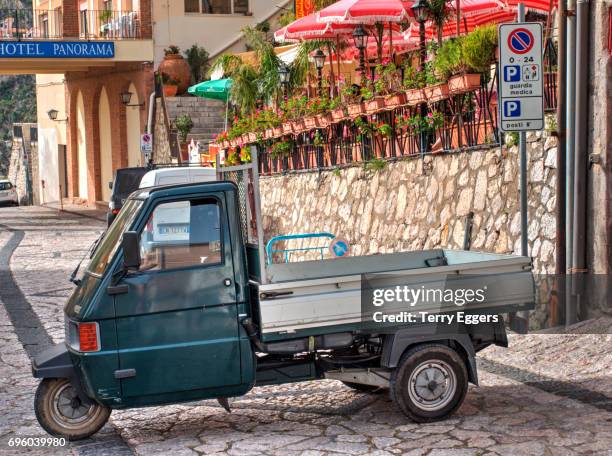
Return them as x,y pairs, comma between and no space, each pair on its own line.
169,313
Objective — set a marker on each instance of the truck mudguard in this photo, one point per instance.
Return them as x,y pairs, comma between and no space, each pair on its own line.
55,362
397,343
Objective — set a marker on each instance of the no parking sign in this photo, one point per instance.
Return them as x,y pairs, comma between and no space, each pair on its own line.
521,81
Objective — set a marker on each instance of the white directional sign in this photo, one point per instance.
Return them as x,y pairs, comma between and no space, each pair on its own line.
521,77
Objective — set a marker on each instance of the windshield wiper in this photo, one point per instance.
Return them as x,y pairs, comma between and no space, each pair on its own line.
90,251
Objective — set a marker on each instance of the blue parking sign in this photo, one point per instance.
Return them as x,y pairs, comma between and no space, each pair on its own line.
512,108
512,73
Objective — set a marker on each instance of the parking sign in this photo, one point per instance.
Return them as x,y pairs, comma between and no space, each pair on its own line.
521,90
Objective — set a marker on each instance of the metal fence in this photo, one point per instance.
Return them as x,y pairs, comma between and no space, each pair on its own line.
107,24
468,121
23,24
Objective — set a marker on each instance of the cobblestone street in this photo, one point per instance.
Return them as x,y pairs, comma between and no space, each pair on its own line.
545,395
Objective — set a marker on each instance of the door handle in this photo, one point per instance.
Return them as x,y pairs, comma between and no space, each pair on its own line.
227,282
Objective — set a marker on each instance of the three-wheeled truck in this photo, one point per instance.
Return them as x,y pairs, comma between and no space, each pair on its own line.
166,314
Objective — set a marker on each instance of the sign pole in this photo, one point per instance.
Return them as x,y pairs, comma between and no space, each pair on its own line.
523,155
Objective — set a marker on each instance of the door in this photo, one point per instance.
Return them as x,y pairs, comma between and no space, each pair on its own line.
177,324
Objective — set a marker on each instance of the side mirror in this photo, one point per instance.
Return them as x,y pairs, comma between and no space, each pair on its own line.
110,185
131,250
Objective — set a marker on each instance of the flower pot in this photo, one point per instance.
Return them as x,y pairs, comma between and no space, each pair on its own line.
437,92
338,114
287,128
324,120
355,109
170,90
415,97
298,125
225,144
464,83
244,139
175,66
395,100
269,133
310,122
277,131
252,137
375,104
233,142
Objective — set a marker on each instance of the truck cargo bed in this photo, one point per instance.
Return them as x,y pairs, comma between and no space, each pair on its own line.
321,295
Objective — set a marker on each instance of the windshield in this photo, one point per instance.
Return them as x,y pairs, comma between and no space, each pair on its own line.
127,181
109,244
5,186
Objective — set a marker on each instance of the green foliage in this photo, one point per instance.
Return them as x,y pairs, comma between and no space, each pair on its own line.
512,139
418,78
184,124
376,164
172,50
337,171
229,64
197,58
478,48
263,26
286,18
245,91
281,149
449,61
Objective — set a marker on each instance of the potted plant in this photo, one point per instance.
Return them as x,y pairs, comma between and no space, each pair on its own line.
184,125
176,67
415,80
337,110
352,99
371,102
449,64
170,85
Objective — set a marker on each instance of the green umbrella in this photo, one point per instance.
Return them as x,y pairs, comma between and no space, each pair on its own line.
218,89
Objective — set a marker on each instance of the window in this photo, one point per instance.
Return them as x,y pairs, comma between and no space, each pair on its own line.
44,25
182,234
5,185
217,6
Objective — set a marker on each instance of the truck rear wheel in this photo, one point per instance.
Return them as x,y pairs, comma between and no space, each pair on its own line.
60,411
430,382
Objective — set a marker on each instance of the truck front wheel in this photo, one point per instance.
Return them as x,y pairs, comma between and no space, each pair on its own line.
60,411
430,382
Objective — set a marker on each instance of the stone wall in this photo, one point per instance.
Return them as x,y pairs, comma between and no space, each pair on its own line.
23,166
418,203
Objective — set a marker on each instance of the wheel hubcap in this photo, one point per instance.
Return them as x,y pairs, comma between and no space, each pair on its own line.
432,385
68,410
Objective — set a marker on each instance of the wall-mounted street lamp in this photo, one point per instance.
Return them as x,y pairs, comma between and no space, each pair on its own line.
319,59
360,37
126,97
285,75
52,113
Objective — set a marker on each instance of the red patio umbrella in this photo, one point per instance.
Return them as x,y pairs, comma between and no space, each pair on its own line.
545,6
467,23
308,28
366,11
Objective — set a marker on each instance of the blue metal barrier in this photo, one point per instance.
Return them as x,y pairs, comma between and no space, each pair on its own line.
270,251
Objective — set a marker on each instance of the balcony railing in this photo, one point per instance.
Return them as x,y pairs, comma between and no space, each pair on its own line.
30,24
107,24
468,121
23,24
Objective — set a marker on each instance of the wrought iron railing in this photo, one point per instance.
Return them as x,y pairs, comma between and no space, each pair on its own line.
23,24
30,23
469,121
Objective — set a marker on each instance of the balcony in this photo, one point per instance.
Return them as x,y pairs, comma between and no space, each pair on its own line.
43,40
23,24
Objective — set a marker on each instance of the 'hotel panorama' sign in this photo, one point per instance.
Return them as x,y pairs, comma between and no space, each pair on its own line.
57,49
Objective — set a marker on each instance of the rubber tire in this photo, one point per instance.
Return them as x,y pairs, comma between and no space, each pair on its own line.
43,401
412,358
364,388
